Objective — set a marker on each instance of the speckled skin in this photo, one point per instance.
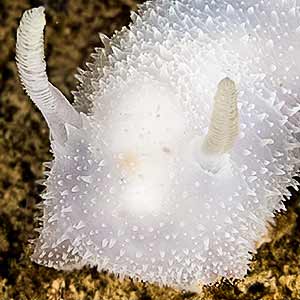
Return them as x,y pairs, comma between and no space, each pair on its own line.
232,221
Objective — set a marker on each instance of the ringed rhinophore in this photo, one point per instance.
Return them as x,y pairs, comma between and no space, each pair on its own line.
181,142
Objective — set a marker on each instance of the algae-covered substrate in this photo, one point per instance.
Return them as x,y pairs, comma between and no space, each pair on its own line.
71,35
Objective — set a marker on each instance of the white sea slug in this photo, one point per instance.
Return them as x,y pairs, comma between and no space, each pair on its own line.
180,144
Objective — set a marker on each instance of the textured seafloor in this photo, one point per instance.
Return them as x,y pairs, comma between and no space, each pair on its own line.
70,37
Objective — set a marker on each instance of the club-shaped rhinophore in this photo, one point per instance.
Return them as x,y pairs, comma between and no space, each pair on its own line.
32,70
223,129
224,124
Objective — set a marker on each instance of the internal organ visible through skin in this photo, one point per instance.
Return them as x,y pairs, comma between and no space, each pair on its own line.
145,141
129,162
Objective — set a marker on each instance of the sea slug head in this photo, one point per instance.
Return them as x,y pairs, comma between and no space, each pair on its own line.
169,165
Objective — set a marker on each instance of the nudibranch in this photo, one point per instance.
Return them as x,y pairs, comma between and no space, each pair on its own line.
181,142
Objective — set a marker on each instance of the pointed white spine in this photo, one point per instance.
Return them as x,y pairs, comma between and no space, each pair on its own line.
224,125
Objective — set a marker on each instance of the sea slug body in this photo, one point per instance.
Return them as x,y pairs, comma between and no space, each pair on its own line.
181,142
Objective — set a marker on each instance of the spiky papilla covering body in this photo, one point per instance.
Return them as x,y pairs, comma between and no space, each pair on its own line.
147,96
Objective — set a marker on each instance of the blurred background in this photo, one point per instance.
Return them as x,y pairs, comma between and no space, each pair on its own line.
71,34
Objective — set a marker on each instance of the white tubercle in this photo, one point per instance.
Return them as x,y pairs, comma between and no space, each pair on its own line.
223,128
32,70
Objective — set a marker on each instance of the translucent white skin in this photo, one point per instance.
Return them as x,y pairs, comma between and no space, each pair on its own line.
127,190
